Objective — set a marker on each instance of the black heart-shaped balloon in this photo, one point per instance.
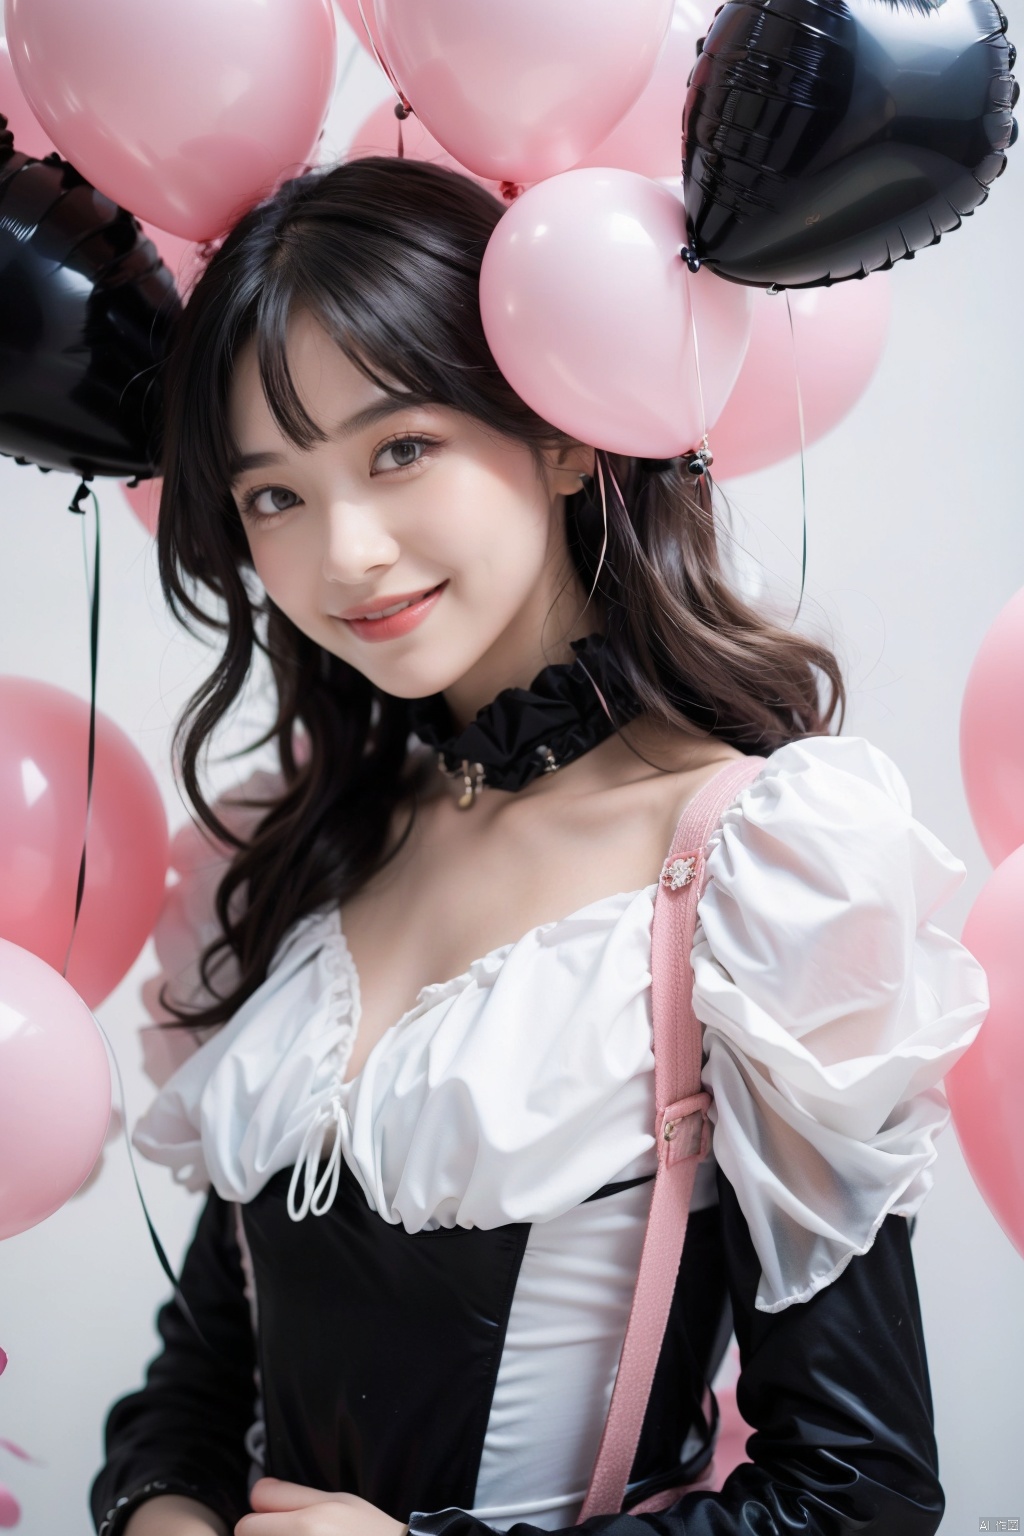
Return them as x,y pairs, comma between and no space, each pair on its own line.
86,312
824,139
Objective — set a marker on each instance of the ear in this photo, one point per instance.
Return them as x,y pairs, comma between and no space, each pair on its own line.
568,466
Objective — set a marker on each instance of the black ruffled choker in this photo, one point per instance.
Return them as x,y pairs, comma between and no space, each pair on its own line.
525,732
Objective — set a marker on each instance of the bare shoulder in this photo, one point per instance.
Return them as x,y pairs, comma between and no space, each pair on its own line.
681,765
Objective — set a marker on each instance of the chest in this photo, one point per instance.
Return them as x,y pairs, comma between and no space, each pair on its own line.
461,888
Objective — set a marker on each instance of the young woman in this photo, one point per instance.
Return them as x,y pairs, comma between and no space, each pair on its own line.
424,1098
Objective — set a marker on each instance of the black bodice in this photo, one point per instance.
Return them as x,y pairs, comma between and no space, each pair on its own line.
376,1351
406,1332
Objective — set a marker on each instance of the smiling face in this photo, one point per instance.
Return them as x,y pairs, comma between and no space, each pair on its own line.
416,505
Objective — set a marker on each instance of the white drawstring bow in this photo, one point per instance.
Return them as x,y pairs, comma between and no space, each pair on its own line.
308,1162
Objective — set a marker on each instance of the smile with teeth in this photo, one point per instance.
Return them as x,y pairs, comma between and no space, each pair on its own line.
386,613
393,620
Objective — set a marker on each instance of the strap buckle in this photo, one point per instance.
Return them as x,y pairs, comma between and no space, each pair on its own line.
684,1130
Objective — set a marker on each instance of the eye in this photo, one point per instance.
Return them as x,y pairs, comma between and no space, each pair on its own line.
278,499
403,451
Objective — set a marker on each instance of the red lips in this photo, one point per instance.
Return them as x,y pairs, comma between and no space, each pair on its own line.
419,604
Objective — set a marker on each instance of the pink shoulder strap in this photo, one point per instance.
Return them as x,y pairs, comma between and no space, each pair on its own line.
681,1129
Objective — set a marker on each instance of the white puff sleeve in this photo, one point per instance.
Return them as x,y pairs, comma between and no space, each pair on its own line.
832,1006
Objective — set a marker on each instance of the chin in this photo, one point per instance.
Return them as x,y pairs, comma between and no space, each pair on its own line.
425,670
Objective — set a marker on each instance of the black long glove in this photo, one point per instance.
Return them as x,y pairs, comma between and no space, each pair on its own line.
185,1432
837,1391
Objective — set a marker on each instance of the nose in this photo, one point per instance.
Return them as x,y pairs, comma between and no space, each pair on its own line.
356,544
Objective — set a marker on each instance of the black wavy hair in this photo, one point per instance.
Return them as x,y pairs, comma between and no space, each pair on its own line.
385,254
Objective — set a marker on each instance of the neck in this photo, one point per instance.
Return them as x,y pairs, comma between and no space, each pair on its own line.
539,636
524,732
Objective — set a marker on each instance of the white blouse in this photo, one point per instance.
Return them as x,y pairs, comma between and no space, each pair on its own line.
832,1006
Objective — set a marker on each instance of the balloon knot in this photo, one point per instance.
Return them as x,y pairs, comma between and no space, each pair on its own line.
699,462
510,190
81,492
690,257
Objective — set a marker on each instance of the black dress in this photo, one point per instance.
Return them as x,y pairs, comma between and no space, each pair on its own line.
363,1349
394,1409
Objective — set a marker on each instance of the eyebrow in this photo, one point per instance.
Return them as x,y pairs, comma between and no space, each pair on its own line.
368,417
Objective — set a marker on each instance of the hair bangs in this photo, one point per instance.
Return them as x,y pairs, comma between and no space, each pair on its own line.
392,334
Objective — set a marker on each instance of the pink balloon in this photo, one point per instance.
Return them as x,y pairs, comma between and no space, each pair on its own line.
648,137
54,1090
992,734
29,137
379,136
350,10
182,256
517,90
10,1509
187,114
839,336
144,500
984,1086
43,748
587,303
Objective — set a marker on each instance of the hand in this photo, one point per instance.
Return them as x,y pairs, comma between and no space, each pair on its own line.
287,1509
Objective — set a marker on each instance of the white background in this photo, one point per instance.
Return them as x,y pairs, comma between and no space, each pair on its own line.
916,539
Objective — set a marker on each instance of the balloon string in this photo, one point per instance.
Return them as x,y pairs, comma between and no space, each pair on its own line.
165,1263
380,59
700,383
803,446
92,585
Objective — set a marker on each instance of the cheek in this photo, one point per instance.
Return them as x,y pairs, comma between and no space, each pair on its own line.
495,535
509,568
284,566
